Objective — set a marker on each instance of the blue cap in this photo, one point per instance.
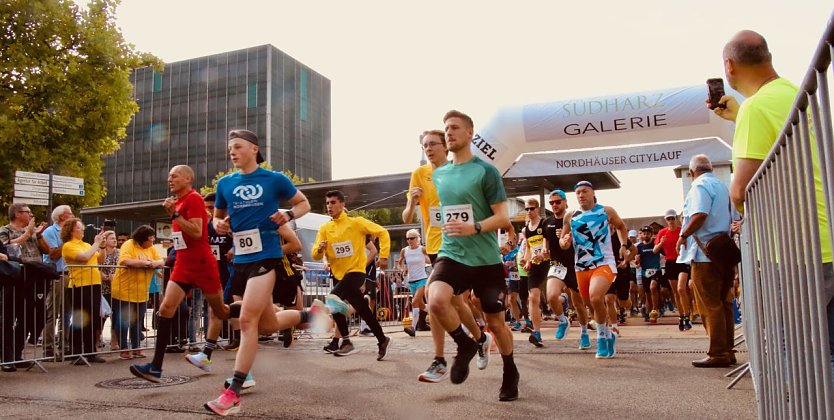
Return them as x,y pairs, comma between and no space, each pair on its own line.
583,184
560,193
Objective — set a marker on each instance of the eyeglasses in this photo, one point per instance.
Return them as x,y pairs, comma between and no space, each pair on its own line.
530,208
555,202
671,218
432,144
25,211
411,237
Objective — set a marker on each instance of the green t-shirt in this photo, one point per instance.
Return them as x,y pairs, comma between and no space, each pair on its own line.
759,121
466,192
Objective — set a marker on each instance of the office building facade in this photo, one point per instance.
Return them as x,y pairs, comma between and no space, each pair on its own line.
186,111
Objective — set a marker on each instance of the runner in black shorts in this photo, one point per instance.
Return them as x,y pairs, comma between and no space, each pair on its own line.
650,265
562,273
537,264
618,293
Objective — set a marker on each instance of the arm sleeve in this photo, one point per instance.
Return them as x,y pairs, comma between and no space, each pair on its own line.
4,235
219,198
701,200
752,139
380,232
50,235
126,252
493,185
70,251
285,188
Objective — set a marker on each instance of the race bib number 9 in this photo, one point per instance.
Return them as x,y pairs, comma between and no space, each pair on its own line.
559,271
460,212
343,249
435,216
215,250
248,242
178,241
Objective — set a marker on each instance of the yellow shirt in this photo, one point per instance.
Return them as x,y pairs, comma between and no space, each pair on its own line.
80,276
759,121
345,238
421,178
132,284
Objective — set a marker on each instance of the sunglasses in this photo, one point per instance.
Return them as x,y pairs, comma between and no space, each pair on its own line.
555,202
530,208
411,237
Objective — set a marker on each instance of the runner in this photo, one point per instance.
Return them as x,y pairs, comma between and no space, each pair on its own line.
537,263
195,267
342,240
562,273
421,191
649,262
412,262
677,274
616,298
473,207
247,205
589,228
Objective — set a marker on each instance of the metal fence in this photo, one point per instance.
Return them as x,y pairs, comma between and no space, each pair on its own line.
74,318
785,314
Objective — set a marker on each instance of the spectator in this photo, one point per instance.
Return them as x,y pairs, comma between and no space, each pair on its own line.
57,298
85,284
121,238
111,257
130,288
706,214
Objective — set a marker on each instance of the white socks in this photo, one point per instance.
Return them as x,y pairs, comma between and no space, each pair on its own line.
603,331
583,328
563,319
415,315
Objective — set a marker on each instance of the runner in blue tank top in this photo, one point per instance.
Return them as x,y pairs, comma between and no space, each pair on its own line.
589,229
247,206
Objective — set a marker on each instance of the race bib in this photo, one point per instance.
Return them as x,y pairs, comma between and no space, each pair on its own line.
215,250
538,249
178,241
650,272
559,271
436,220
514,276
343,249
461,212
248,242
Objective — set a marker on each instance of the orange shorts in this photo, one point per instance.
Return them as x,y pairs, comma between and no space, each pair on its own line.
584,278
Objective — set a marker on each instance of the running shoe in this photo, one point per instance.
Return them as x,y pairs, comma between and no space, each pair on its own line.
346,349
680,323
383,349
616,329
621,317
602,348
288,337
435,373
687,324
536,339
199,360
233,345
592,325
332,347
612,351
248,383
516,326
227,403
562,330
147,372
509,386
483,352
460,367
367,333
584,341
336,305
409,331
653,316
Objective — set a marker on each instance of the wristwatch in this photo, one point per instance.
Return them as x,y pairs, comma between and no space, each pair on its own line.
477,227
175,215
684,236
290,214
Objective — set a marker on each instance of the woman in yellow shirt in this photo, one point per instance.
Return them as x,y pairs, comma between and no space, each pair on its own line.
85,281
130,288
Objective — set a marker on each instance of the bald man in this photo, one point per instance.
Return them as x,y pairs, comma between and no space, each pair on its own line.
195,266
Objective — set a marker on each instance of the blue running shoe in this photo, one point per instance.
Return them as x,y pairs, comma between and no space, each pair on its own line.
147,372
536,339
602,348
562,330
336,305
516,326
611,350
584,341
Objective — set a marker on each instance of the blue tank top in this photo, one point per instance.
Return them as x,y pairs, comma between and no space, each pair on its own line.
591,233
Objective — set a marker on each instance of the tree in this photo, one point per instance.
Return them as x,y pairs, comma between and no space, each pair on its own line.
382,217
65,91
296,180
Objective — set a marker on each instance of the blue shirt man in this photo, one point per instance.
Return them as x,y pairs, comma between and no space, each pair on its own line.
709,196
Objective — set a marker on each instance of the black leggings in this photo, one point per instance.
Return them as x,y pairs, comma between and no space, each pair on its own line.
348,289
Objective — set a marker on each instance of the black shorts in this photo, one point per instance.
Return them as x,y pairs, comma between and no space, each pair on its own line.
245,271
570,279
537,276
286,288
621,285
487,281
370,288
673,269
433,259
661,280
513,286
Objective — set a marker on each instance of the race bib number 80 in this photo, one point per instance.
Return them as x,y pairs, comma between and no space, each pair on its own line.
460,212
248,242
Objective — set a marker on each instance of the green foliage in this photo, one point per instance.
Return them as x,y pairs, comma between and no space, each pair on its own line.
65,92
382,217
293,177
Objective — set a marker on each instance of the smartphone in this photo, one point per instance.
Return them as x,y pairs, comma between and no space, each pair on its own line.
109,224
716,91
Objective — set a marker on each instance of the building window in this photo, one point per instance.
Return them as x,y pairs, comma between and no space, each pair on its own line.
252,95
157,81
302,106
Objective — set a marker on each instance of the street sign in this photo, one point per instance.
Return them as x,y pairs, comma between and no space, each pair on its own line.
32,175
32,194
70,185
68,191
69,179
24,187
31,181
31,201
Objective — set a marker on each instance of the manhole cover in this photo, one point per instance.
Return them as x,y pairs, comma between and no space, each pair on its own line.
137,383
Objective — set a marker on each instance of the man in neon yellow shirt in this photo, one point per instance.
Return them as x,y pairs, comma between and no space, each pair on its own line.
759,120
342,241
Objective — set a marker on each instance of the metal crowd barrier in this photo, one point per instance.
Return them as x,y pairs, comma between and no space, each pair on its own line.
785,314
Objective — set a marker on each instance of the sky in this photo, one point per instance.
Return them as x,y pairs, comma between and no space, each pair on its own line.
396,67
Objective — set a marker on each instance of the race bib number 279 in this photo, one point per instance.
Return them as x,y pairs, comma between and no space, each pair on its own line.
460,212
